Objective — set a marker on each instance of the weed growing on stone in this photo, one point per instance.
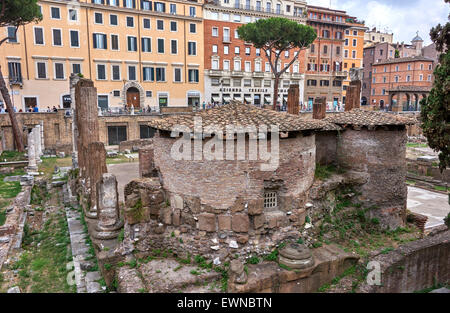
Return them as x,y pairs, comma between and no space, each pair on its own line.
253,260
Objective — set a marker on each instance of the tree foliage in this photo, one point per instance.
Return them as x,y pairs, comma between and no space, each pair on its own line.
18,12
274,36
436,108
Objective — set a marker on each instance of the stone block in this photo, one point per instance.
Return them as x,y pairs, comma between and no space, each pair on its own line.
240,223
255,207
207,222
224,222
151,197
187,218
176,217
166,215
258,221
176,202
238,205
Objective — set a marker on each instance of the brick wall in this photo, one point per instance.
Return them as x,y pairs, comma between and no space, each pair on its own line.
380,153
220,183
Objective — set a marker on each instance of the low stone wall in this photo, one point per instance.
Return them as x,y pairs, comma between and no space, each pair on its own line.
268,277
134,145
421,168
414,266
12,231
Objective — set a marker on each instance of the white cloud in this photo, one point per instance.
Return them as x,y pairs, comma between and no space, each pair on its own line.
402,17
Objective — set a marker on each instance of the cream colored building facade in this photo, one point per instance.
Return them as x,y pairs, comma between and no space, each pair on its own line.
138,53
374,36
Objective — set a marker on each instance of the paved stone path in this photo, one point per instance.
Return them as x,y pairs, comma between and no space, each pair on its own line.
432,204
87,282
125,172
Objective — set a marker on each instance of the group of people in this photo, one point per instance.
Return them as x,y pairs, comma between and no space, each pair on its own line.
30,109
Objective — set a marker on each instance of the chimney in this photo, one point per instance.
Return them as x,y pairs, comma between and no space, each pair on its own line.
319,108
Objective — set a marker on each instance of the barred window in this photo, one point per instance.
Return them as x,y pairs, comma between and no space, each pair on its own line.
270,199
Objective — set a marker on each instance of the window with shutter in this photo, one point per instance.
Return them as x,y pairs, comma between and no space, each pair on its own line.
74,39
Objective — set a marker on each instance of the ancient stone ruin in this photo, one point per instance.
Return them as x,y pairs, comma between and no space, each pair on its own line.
217,208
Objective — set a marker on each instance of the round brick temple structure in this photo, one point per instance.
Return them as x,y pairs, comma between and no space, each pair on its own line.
225,193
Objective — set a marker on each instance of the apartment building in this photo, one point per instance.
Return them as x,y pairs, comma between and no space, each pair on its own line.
353,49
138,53
375,36
237,70
372,54
400,83
324,73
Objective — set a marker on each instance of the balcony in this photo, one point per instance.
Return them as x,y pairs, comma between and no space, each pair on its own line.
340,74
258,74
216,73
226,39
237,73
296,76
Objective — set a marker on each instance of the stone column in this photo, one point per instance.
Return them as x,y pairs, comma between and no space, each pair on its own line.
32,165
319,108
42,137
96,167
86,120
73,81
38,141
293,99
109,222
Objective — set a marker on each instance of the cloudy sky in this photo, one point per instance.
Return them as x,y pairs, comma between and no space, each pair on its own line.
402,17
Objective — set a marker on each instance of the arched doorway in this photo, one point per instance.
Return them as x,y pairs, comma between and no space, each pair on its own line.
133,97
363,101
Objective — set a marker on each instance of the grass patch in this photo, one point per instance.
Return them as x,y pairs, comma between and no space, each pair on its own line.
2,217
416,145
440,188
120,158
324,172
11,156
48,165
43,268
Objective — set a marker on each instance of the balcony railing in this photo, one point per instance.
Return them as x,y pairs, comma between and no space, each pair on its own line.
226,39
257,9
237,73
214,72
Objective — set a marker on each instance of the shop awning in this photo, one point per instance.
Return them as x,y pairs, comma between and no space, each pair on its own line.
216,99
227,99
268,99
238,99
248,99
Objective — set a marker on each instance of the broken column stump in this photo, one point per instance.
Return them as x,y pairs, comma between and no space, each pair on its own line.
146,162
32,164
96,167
109,223
295,256
319,108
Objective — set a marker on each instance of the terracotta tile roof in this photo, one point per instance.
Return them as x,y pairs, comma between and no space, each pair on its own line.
369,118
239,114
